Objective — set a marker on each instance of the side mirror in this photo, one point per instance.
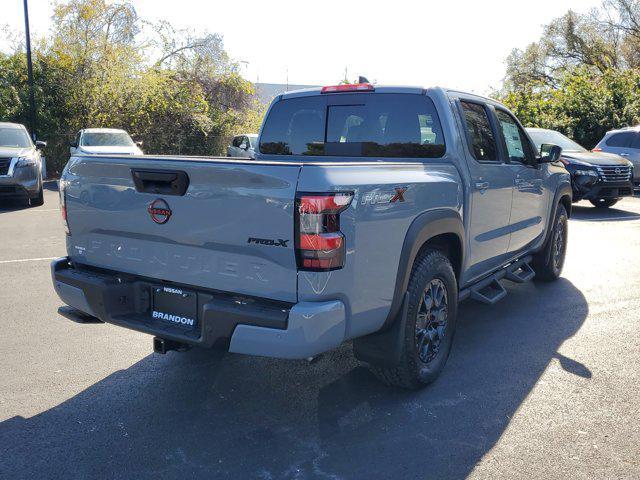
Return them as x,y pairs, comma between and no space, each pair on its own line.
139,144
40,144
549,153
73,144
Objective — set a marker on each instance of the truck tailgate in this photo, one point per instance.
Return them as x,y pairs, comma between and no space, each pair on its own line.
232,230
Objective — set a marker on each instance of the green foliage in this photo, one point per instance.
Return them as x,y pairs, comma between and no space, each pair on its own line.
103,66
584,106
583,76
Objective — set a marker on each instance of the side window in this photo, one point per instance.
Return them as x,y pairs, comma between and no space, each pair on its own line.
78,138
621,140
635,144
518,146
479,132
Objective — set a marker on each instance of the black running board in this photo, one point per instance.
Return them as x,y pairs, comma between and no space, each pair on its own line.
489,290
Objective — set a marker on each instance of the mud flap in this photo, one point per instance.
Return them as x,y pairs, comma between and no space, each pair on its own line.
384,348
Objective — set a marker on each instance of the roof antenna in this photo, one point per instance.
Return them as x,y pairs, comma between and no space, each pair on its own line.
362,79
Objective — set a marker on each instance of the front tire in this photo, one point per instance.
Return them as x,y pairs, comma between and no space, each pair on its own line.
548,262
38,200
604,202
429,325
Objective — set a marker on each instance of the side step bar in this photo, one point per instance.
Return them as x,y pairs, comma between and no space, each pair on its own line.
489,290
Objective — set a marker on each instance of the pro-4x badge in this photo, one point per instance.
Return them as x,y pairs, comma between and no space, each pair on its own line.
268,241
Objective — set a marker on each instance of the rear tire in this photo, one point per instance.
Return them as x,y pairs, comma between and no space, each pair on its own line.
429,326
548,262
604,202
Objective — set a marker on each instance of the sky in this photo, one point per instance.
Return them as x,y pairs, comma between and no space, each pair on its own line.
453,43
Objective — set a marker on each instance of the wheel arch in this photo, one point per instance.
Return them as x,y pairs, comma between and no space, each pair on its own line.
441,229
567,203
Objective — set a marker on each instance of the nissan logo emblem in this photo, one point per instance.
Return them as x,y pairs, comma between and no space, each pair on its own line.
159,211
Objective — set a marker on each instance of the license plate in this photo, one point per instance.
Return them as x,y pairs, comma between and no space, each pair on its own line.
175,306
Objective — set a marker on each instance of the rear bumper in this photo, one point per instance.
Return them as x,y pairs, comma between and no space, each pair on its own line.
241,325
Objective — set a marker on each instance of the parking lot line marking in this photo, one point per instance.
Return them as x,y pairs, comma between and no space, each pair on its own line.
35,210
28,260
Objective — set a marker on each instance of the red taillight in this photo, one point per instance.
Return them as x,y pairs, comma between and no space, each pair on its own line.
349,87
333,203
323,241
320,244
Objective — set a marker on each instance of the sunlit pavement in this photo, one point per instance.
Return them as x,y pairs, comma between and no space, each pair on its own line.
543,385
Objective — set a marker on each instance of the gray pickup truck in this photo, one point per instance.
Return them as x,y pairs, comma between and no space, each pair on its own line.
369,213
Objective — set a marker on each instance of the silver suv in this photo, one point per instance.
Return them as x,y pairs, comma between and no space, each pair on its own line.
21,164
626,143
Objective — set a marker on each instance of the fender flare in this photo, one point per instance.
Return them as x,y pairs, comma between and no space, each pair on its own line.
383,347
425,226
563,190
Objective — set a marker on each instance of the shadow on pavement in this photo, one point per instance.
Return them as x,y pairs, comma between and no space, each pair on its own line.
51,185
592,214
213,415
13,204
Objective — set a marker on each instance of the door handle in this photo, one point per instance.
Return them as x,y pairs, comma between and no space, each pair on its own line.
624,154
482,185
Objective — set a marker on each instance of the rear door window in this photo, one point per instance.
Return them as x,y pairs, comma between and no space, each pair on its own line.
480,134
359,125
621,140
635,143
519,148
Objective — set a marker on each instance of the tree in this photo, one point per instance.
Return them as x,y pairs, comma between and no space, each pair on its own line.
104,66
583,76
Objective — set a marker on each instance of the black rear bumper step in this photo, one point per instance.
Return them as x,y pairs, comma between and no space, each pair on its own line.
77,316
125,300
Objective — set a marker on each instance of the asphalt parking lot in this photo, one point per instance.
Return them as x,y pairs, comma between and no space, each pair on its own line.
542,385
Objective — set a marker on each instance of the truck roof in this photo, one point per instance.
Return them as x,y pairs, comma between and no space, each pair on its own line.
306,92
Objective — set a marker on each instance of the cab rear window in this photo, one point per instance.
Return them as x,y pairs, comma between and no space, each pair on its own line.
359,125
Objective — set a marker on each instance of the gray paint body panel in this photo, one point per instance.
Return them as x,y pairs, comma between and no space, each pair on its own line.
205,241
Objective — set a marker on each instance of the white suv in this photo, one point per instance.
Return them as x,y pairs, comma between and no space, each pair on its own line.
104,141
243,146
626,143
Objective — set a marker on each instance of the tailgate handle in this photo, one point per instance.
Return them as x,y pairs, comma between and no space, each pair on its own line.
165,182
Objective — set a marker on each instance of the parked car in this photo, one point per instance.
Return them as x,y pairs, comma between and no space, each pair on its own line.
104,141
600,177
626,143
369,213
243,146
21,164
